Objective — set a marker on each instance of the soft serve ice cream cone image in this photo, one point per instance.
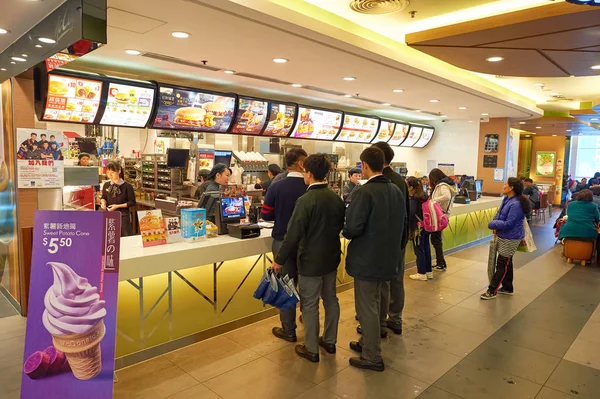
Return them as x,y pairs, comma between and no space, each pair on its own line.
74,316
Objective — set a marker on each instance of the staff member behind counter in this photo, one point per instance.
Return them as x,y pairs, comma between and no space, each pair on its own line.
273,171
118,195
218,176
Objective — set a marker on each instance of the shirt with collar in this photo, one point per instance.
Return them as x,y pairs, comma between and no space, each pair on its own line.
295,174
320,183
372,177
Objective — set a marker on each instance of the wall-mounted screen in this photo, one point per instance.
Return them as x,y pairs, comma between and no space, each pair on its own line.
180,109
413,136
128,105
280,120
358,129
317,124
425,137
400,134
251,116
72,99
385,132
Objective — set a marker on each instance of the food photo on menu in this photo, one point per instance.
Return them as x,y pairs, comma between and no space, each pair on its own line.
251,116
358,129
317,124
72,99
386,131
281,119
400,134
196,111
128,105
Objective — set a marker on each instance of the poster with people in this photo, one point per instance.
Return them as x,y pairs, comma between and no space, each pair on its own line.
40,161
71,322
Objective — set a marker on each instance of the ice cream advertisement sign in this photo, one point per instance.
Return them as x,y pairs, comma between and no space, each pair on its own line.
71,325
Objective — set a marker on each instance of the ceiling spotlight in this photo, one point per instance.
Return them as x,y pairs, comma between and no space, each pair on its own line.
20,59
347,95
554,94
12,62
494,59
594,67
46,40
229,72
180,35
569,130
3,31
485,114
398,91
133,52
296,85
462,108
280,60
24,55
528,136
554,135
349,78
2,69
539,84
38,45
522,123
417,110
434,101
386,104
538,127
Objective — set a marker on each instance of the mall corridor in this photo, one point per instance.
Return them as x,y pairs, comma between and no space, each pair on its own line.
541,343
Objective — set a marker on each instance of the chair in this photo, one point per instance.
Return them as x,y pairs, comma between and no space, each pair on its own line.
541,212
578,250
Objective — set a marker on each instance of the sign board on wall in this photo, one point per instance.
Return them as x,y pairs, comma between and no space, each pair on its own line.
40,161
447,168
490,161
545,163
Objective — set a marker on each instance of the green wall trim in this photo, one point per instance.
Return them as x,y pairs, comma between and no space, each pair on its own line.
557,113
586,105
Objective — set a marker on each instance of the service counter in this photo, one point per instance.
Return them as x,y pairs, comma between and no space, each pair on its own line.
189,290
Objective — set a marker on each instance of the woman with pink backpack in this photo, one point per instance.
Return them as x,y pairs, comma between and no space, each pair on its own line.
418,234
443,191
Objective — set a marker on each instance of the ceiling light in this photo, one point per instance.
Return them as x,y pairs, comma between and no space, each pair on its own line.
554,135
280,60
494,59
569,130
18,59
462,108
470,121
398,91
554,94
229,72
296,85
594,119
434,101
538,127
539,84
349,78
417,110
2,69
386,104
12,62
522,123
595,67
24,55
38,45
180,35
133,52
3,31
347,95
528,136
46,40
485,114
443,116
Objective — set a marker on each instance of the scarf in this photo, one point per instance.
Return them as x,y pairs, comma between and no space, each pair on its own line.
115,188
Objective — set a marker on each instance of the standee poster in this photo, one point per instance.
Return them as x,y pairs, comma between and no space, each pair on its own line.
71,325
40,161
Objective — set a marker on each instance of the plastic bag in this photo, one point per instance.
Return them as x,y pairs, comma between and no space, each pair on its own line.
527,244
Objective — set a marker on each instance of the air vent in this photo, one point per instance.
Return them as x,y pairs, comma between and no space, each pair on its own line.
378,6
180,61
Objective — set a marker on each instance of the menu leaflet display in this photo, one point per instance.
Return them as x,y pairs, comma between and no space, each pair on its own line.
386,131
413,136
358,129
195,111
400,134
317,124
72,99
251,116
281,118
425,137
128,105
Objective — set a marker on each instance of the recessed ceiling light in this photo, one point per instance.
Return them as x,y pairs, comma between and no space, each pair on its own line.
24,55
3,31
554,135
296,85
470,121
38,45
133,52
494,59
538,127
12,62
180,35
386,104
46,40
485,114
349,78
417,110
2,69
347,95
20,59
434,101
528,136
229,72
398,91
569,130
539,84
554,94
595,67
522,123
462,108
280,60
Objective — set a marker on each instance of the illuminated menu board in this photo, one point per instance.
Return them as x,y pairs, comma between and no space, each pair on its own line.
425,137
181,109
385,132
358,129
128,105
281,118
413,136
72,99
317,124
251,116
400,134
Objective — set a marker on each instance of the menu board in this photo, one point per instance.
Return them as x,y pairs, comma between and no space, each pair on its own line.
195,111
317,124
425,137
72,99
400,133
128,105
385,132
413,136
281,118
358,129
251,116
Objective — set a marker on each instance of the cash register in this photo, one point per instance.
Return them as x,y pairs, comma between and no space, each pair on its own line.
228,213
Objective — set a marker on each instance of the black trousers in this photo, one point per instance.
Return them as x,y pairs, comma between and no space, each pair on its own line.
503,276
436,241
126,228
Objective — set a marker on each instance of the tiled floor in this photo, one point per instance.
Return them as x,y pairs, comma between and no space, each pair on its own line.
6,309
541,343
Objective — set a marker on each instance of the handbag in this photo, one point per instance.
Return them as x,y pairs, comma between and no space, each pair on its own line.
492,258
527,244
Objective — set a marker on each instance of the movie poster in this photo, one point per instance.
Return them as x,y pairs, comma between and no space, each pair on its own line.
40,161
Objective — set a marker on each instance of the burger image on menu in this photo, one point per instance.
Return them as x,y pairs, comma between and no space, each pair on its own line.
190,116
217,110
122,98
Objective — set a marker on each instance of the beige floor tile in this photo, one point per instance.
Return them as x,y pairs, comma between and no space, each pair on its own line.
208,359
139,370
13,326
10,378
440,293
503,305
584,352
196,392
317,393
471,320
457,263
260,379
426,308
315,372
477,271
12,350
462,284
591,331
258,337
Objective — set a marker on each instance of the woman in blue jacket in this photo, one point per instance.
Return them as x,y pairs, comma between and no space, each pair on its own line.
509,229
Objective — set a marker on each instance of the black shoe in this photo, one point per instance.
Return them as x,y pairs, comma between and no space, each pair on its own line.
356,317
504,291
279,333
361,363
440,268
384,333
301,320
395,330
302,352
329,348
356,346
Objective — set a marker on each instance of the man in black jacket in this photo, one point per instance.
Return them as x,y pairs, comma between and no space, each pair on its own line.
375,226
314,230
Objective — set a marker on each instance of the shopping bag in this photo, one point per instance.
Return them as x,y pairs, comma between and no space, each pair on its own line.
272,290
492,258
527,244
262,286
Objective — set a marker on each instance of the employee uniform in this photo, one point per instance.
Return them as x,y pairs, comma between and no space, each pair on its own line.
264,185
278,207
375,226
120,193
209,185
314,230
347,191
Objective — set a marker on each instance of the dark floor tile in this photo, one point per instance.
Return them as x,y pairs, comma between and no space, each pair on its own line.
472,381
535,338
576,379
562,322
436,393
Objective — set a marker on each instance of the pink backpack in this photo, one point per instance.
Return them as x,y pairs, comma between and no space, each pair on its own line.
434,218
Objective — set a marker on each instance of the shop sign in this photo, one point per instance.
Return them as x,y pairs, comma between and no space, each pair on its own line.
71,324
40,162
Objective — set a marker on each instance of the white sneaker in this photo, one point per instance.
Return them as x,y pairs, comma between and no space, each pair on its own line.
429,275
420,277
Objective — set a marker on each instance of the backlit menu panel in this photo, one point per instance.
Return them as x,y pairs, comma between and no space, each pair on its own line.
425,137
317,124
413,136
400,134
385,132
128,105
72,99
251,116
281,119
358,129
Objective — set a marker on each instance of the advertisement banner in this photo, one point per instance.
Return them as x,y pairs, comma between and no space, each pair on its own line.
40,161
152,228
71,325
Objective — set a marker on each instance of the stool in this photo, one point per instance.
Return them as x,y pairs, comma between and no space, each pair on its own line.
579,250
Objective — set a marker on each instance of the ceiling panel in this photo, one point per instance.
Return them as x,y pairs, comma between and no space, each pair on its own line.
565,40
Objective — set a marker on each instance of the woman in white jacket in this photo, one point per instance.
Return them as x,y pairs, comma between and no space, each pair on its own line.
443,191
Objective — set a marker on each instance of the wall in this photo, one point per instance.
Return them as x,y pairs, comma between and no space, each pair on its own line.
557,145
499,126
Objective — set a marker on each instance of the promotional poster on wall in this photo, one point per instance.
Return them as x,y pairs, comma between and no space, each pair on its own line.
544,163
71,322
40,161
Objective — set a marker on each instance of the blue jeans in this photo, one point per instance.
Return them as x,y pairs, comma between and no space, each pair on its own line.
423,252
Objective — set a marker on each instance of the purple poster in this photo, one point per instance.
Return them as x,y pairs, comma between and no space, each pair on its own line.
71,323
